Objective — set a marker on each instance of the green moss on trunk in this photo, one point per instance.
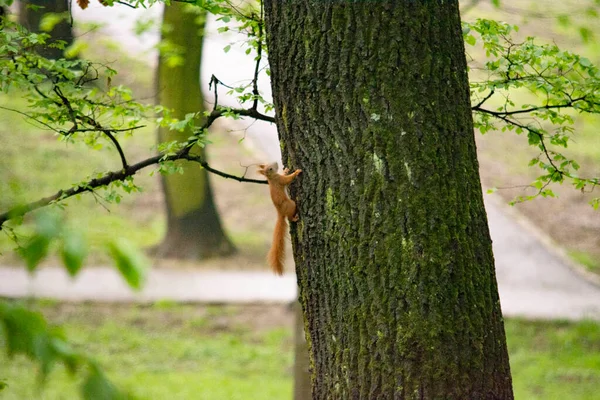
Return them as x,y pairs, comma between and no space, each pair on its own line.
394,259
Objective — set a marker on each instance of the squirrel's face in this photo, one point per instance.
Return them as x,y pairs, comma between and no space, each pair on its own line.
268,169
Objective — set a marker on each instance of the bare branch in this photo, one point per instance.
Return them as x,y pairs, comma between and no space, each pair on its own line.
526,110
258,59
111,177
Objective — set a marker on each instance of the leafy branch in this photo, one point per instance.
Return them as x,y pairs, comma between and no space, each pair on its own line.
58,95
560,82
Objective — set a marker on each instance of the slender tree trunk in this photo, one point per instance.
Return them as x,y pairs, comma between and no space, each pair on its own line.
194,228
31,18
302,384
392,248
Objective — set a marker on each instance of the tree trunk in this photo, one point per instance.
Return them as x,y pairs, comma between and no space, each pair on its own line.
392,248
30,18
302,385
194,228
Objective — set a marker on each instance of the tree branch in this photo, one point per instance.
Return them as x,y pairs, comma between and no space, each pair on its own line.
111,177
486,98
524,111
258,58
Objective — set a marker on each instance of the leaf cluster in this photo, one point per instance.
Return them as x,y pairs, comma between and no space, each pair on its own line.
25,332
562,84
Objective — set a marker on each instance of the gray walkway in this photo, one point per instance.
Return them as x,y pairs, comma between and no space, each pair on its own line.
533,281
105,284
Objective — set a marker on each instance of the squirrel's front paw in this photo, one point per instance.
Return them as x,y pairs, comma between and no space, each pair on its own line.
295,218
298,171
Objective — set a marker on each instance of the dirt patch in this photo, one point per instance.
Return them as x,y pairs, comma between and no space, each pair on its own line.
197,318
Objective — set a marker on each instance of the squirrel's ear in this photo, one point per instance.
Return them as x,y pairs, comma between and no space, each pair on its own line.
262,166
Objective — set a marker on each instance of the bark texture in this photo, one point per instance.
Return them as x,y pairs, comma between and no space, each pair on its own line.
392,249
31,18
194,229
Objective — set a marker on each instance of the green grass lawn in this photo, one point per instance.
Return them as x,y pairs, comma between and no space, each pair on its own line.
554,360
194,352
166,352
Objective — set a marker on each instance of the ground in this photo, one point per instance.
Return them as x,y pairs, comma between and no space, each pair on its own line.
246,352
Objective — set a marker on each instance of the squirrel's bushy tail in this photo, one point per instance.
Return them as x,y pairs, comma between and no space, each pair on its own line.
276,255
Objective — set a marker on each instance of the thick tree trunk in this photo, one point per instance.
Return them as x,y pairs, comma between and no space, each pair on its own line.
194,228
31,18
392,248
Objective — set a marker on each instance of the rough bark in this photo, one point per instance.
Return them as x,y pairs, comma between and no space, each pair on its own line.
30,18
392,248
194,229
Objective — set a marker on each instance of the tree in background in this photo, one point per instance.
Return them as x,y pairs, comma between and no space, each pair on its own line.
392,248
30,16
194,229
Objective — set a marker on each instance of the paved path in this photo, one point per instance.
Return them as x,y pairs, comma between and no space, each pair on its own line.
533,281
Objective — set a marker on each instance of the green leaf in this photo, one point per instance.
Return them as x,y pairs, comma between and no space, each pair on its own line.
586,34
97,387
34,251
496,3
73,252
227,48
25,330
50,20
3,385
130,262
563,20
585,62
470,39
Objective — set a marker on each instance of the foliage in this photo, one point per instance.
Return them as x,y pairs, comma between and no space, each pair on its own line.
212,352
560,84
25,332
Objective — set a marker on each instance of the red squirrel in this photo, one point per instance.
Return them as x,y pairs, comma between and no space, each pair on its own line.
286,208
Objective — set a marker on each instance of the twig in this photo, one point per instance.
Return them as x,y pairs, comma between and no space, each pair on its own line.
258,59
111,177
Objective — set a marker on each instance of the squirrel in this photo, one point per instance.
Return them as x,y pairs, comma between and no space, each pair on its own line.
286,208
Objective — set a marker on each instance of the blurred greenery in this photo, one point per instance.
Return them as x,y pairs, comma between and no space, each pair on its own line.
51,165
165,352
170,351
589,261
554,360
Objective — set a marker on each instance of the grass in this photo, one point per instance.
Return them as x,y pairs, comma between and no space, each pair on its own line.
203,354
554,360
223,352
589,261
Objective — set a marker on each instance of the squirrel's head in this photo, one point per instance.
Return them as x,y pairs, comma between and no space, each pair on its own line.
268,169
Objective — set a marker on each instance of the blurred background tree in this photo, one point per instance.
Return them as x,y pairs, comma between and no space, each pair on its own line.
194,229
31,13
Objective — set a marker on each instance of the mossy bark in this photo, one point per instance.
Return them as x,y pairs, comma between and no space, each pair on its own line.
31,18
392,248
194,229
